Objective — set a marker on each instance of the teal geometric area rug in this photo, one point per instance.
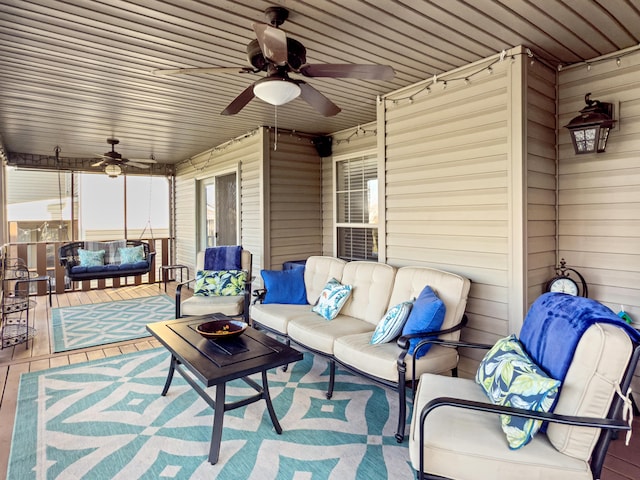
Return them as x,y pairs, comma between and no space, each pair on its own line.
106,419
84,326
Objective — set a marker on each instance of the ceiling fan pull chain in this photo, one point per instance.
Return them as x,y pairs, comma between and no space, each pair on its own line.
275,141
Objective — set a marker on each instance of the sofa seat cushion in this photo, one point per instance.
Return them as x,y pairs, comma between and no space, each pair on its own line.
201,305
319,334
382,360
453,436
277,316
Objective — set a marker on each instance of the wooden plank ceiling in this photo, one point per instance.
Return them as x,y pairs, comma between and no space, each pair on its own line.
75,72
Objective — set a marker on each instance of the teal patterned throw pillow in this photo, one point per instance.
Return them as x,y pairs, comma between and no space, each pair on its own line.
333,297
392,323
219,282
91,258
131,254
509,377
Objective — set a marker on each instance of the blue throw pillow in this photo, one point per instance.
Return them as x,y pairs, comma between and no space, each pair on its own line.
91,258
427,315
220,282
509,377
332,298
284,286
392,323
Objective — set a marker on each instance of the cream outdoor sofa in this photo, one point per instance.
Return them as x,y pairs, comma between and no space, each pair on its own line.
456,432
231,305
345,339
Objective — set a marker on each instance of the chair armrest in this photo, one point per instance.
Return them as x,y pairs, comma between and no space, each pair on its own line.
259,295
430,337
594,422
247,299
179,294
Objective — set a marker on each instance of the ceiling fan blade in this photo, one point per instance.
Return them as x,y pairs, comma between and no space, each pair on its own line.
138,164
215,70
346,70
239,102
317,100
143,160
273,43
97,164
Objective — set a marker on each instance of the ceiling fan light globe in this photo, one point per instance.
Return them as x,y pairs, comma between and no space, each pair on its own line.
276,91
113,171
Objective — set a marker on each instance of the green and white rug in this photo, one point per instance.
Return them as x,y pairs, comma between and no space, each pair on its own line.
94,324
106,419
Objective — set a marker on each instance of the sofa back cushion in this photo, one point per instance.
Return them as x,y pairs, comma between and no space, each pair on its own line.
318,271
371,284
598,364
452,289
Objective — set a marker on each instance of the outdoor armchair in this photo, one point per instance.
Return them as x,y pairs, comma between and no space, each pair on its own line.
456,429
231,303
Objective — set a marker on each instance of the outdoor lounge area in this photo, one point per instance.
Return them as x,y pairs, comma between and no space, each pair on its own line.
621,462
470,157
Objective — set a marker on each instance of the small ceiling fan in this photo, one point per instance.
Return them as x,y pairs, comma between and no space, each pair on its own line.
278,55
113,161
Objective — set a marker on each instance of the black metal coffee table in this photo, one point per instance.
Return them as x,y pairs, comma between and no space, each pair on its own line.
214,363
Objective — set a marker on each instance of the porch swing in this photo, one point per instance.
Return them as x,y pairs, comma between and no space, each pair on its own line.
91,260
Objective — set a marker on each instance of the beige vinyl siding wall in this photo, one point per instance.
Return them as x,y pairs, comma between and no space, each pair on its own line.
292,200
541,177
353,141
456,189
246,153
599,194
599,199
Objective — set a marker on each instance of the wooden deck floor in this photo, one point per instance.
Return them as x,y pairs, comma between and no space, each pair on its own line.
623,463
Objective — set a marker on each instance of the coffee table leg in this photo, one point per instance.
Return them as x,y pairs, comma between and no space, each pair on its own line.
267,398
172,369
218,419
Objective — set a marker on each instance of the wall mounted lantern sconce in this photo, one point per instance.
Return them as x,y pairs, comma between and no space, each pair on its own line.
590,130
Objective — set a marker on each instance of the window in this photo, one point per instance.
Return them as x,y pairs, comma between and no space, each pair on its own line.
357,208
218,210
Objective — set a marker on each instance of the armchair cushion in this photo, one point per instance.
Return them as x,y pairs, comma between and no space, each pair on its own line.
332,299
427,315
284,286
467,444
91,258
509,377
220,282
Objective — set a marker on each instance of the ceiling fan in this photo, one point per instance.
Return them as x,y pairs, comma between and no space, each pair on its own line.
278,55
113,161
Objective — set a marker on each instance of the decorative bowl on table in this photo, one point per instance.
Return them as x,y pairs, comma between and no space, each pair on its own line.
217,329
